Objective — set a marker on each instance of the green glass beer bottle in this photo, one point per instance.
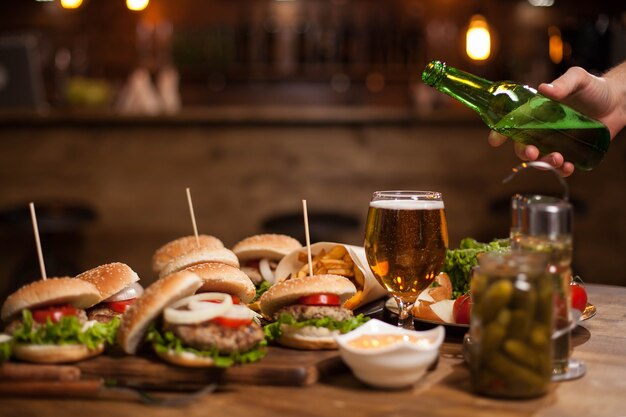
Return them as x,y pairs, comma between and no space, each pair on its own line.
519,112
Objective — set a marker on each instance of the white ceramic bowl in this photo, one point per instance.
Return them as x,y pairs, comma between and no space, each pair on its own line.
397,365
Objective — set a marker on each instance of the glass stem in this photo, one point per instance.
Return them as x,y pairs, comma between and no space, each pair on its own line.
405,319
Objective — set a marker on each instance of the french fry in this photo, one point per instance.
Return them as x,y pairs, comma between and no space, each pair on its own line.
336,261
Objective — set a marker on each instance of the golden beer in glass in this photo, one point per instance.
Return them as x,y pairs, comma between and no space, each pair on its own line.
406,239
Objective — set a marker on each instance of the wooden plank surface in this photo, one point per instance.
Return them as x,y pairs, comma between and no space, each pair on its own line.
279,367
446,391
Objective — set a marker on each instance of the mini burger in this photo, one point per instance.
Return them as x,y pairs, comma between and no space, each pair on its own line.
48,324
307,311
187,329
199,256
259,255
172,250
118,286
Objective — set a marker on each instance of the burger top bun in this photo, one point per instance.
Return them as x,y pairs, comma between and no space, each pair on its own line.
175,248
269,246
81,294
287,292
217,277
153,301
110,278
198,256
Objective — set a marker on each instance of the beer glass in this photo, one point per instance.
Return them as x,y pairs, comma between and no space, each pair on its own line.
406,238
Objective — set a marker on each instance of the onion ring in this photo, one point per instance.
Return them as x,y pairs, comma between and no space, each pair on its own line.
134,290
173,315
266,271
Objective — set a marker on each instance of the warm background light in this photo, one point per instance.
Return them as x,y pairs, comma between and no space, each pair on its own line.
71,4
137,4
478,39
555,45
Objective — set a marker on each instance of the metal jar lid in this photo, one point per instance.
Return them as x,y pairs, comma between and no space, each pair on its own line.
543,216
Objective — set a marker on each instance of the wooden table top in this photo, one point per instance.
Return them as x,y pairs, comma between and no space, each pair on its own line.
446,391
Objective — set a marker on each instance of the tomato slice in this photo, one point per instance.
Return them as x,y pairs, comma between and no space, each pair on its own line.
236,300
120,306
320,300
54,313
231,322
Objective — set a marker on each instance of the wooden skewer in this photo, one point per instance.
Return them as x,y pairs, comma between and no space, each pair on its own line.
193,217
308,238
33,217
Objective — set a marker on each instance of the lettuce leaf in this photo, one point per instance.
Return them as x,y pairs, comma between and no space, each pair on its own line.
66,331
273,330
163,342
459,262
263,286
6,349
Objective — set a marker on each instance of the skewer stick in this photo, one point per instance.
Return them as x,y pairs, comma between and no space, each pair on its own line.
308,237
193,217
33,217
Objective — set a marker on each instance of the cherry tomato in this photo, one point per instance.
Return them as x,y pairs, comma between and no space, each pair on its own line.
462,309
579,296
320,300
120,306
231,322
54,313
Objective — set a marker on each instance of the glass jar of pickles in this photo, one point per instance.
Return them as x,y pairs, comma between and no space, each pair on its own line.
511,325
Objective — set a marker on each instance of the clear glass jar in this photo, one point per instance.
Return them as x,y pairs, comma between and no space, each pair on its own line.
511,325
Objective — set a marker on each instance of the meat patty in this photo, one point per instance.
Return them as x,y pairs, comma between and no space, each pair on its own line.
205,336
102,314
15,324
303,312
253,274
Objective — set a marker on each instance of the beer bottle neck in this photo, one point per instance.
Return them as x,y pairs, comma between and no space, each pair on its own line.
469,89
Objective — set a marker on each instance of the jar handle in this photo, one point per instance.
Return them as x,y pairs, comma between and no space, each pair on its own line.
542,166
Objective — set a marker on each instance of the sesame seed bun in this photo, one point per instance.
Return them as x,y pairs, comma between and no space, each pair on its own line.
287,292
54,353
80,294
270,246
198,256
110,278
171,250
217,277
154,300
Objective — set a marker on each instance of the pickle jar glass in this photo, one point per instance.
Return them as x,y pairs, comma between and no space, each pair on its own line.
511,325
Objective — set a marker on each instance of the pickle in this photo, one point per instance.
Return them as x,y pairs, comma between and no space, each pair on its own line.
521,321
491,339
496,297
522,354
540,336
516,374
524,299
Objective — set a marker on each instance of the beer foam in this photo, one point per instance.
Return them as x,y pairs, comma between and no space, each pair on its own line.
407,204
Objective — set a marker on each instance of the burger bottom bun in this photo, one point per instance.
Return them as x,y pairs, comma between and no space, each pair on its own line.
55,353
186,359
308,337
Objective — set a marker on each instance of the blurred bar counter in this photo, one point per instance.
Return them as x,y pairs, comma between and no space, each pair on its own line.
242,115
248,170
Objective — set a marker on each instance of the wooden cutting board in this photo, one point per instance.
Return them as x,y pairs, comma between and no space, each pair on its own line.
279,367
